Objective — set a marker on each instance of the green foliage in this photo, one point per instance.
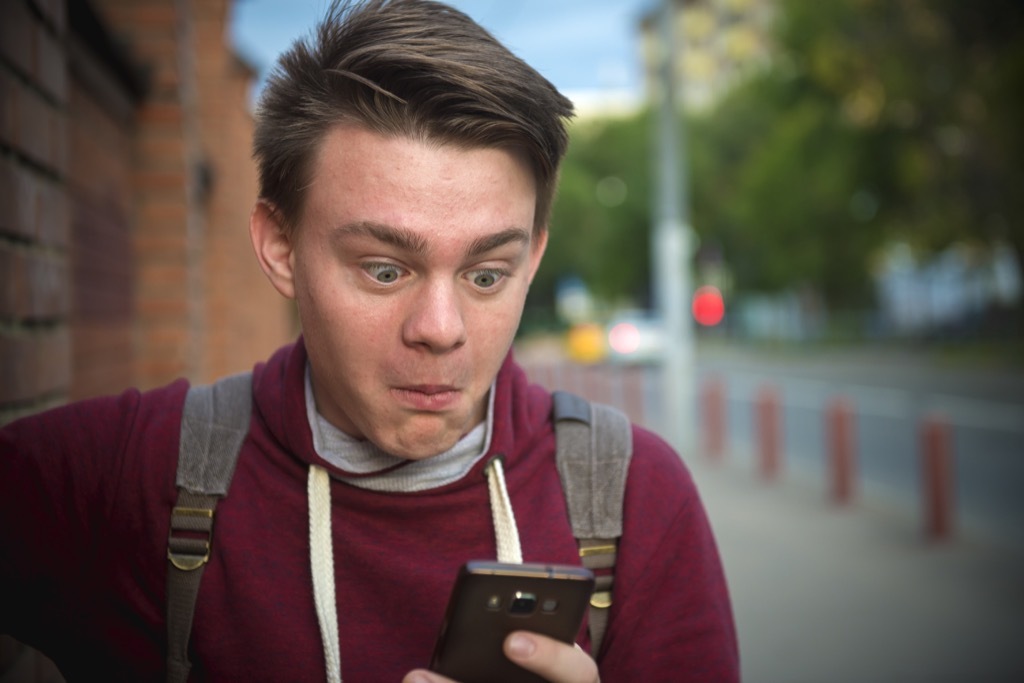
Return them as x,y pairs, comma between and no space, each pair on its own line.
876,120
932,93
601,219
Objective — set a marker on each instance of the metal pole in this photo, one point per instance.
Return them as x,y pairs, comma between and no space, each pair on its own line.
672,250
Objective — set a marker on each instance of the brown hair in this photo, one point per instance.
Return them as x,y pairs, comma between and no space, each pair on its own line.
404,67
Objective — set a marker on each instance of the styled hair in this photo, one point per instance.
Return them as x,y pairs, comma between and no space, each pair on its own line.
411,68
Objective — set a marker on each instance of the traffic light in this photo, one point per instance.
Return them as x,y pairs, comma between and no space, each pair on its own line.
708,306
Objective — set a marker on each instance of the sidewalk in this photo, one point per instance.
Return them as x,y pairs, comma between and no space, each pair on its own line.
823,594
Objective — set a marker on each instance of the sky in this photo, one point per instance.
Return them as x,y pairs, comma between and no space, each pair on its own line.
589,49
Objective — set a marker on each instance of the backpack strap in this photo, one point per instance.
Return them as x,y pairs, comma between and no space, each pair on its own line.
214,423
594,444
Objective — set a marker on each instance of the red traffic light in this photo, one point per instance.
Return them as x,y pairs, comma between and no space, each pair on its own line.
708,306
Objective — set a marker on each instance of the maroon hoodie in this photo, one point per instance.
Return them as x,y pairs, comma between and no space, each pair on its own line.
85,498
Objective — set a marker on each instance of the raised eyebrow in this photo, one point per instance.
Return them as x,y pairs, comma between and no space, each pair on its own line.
405,240
483,245
411,242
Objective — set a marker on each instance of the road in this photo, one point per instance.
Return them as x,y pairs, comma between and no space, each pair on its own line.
889,395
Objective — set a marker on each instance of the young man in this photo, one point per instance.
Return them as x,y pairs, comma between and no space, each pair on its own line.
408,163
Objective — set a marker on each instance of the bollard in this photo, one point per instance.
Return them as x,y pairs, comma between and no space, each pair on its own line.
841,450
937,478
769,435
714,417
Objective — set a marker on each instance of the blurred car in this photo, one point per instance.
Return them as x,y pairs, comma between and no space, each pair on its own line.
635,337
585,343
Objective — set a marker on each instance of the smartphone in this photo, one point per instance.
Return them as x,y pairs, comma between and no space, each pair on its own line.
492,599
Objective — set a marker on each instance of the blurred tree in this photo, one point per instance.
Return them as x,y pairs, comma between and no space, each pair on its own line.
783,187
878,120
601,220
935,90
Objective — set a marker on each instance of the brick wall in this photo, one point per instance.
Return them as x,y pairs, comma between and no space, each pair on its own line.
35,369
203,307
35,237
124,203
249,312
101,123
165,239
124,252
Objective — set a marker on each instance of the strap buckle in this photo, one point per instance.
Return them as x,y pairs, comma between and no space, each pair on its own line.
190,552
601,599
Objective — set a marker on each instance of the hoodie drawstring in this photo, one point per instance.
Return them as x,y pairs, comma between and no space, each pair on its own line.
321,550
506,533
321,559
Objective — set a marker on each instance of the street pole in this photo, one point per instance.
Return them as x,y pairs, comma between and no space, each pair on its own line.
672,249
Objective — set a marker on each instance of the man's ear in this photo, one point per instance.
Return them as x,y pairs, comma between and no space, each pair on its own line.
273,247
538,244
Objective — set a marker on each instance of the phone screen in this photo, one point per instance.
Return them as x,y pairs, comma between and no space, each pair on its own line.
492,599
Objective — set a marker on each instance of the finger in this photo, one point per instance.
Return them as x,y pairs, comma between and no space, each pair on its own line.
550,659
424,676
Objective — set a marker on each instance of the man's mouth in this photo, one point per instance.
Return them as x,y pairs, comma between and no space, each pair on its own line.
427,397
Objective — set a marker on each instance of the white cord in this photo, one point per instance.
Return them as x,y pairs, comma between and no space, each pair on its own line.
321,550
506,534
321,559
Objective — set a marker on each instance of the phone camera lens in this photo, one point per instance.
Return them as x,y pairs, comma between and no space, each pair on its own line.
523,603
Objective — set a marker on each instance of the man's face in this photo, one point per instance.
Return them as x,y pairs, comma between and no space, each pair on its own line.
410,269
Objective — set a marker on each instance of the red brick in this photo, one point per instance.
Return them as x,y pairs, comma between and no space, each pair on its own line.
170,113
164,337
9,94
24,216
160,180
125,199
34,206
39,129
102,360
164,277
140,16
163,213
54,226
43,365
152,373
59,149
162,147
51,69
12,281
9,199
153,308
36,284
18,28
55,12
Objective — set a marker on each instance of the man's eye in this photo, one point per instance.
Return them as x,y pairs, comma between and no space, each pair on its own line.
384,273
485,279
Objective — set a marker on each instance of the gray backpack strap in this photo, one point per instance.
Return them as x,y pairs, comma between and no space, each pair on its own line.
594,444
214,424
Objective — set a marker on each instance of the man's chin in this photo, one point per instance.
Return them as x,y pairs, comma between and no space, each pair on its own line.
420,444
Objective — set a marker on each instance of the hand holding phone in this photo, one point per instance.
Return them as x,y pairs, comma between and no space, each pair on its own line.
492,599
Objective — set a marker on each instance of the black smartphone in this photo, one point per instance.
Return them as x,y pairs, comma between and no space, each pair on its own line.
492,599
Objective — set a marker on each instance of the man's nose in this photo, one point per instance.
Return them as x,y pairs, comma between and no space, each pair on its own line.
435,319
